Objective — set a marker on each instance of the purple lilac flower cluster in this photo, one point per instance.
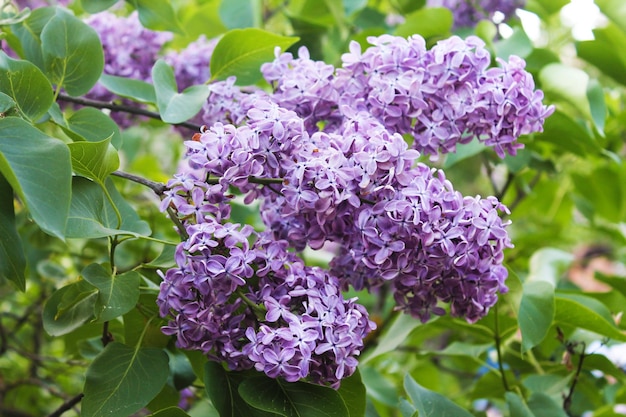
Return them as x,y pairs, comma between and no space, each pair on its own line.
324,153
254,305
467,13
130,51
34,4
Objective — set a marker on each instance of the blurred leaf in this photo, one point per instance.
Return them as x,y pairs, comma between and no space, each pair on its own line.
181,371
430,403
545,8
95,6
6,103
542,405
606,52
202,19
241,52
457,348
536,312
94,126
614,10
566,83
92,216
597,106
12,259
397,333
292,399
568,135
72,53
237,14
27,157
603,189
129,88
378,387
549,384
462,152
428,22
406,408
618,283
549,264
353,6
94,160
117,294
157,15
581,311
599,362
222,388
517,406
176,107
122,380
26,85
517,44
69,308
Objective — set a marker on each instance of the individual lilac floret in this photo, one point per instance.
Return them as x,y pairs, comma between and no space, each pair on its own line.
130,51
467,13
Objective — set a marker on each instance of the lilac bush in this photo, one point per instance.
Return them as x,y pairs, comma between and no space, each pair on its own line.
324,154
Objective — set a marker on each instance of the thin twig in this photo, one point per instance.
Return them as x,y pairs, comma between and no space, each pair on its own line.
498,342
158,187
67,405
567,401
122,108
252,180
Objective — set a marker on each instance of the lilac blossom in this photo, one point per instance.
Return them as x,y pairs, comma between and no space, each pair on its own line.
467,13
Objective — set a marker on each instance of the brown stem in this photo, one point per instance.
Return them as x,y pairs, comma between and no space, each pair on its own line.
121,108
67,405
157,187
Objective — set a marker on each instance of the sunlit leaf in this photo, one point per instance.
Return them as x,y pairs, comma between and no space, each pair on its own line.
237,14
129,87
157,15
517,406
94,126
95,6
241,52
428,22
587,313
94,160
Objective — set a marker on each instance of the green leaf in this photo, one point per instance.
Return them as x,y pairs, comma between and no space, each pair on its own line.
463,152
517,406
614,10
378,387
431,404
95,6
92,216
241,52
517,44
428,22
597,105
603,189
29,33
587,313
69,308
536,313
170,412
617,282
605,52
542,405
39,170
222,388
352,391
457,348
117,294
157,15
94,160
12,259
72,53
295,399
566,83
240,13
548,264
176,107
568,135
397,333
26,85
549,384
94,126
122,380
6,103
129,87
